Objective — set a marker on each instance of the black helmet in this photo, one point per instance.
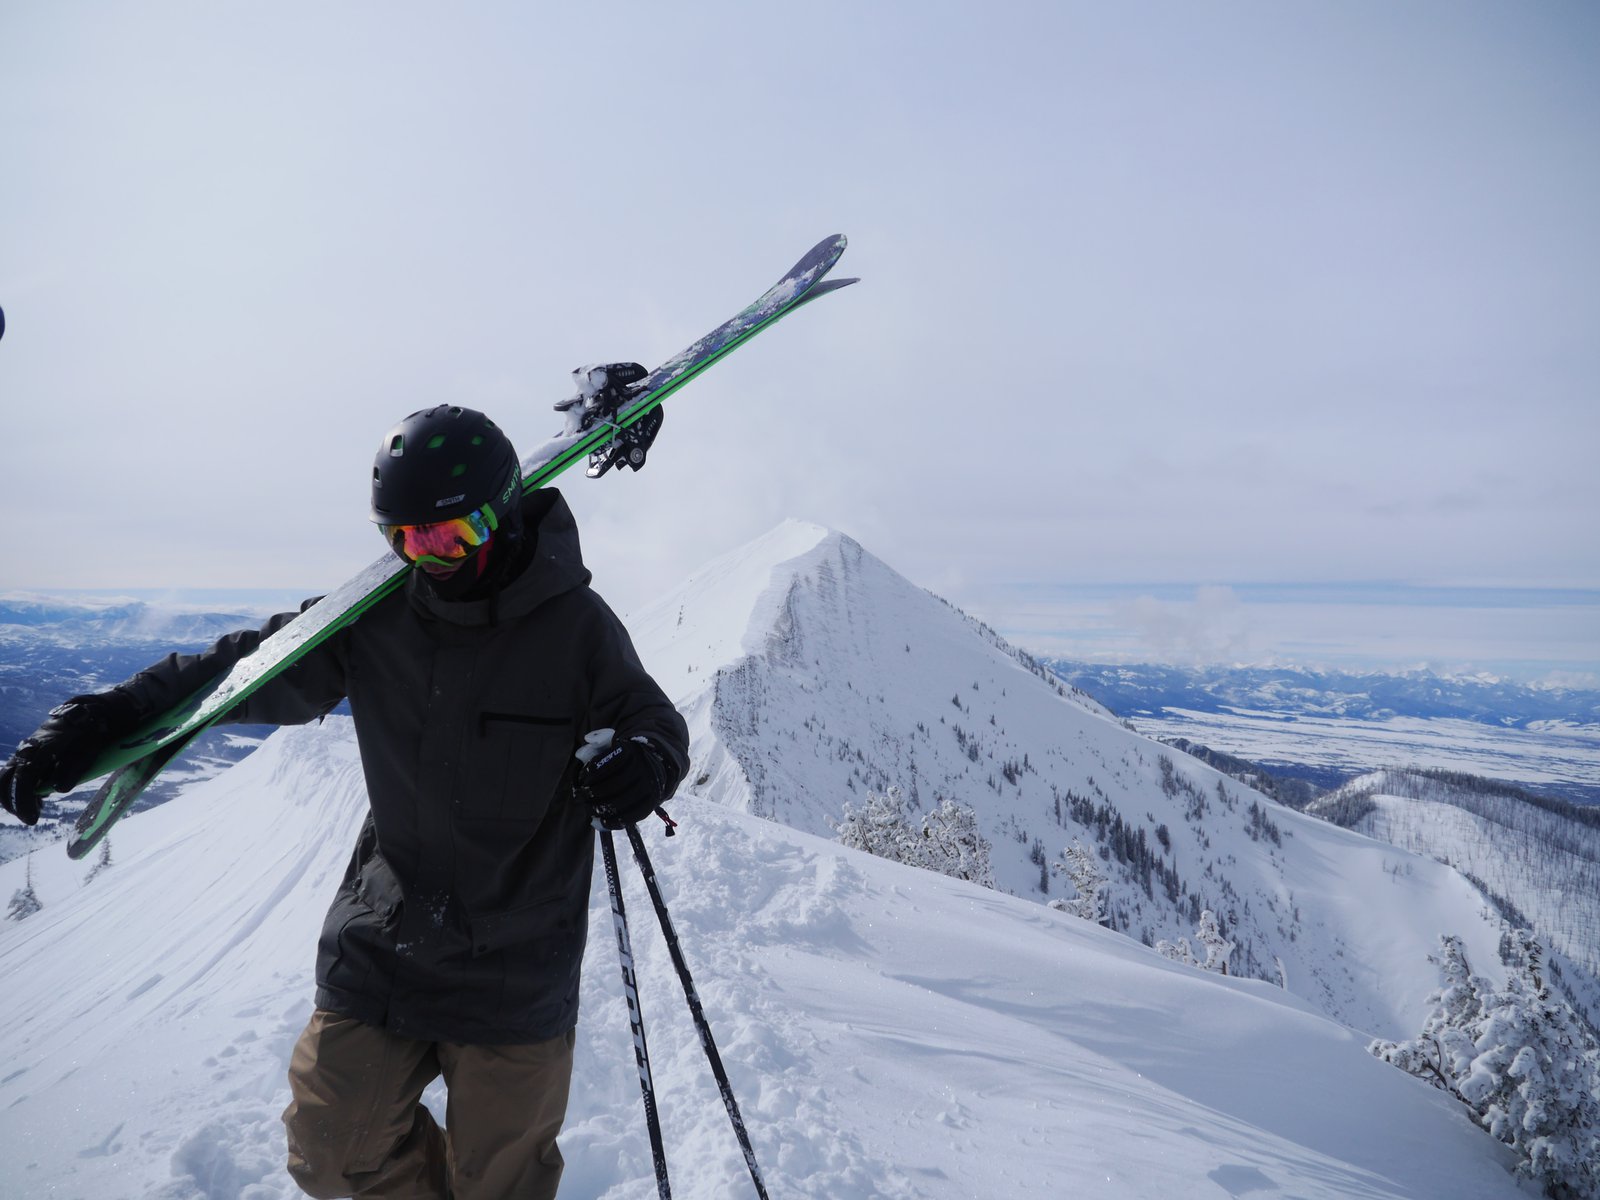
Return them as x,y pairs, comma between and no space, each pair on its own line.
444,462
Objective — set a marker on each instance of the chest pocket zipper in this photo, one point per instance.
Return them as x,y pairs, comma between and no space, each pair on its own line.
485,719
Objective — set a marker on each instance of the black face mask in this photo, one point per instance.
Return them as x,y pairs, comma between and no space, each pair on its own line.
500,561
469,577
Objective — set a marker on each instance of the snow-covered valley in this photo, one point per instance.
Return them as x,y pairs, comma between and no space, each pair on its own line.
1559,759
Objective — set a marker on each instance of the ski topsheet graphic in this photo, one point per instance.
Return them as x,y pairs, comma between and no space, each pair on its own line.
603,436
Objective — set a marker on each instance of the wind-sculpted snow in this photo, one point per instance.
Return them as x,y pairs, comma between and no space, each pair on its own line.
890,1033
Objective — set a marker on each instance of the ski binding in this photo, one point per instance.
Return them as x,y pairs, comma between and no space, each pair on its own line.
603,389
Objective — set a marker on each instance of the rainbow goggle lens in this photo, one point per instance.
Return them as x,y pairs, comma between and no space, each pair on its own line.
446,543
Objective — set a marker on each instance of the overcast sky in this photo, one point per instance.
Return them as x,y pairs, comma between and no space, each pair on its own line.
1216,294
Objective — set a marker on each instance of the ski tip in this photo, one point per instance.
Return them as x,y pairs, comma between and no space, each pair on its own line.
831,246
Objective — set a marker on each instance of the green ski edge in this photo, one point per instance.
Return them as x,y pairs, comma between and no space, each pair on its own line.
134,764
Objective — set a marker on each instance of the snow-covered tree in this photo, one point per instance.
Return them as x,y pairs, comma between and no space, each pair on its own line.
24,901
1212,952
1532,1081
1179,951
879,826
1442,1054
947,840
1516,1057
1218,948
953,846
1083,871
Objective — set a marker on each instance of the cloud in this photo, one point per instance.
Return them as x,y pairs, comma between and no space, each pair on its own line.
1213,627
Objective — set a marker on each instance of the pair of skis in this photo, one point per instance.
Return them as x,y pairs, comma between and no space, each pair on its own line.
135,761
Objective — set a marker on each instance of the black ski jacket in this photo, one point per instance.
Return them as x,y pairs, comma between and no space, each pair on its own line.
463,913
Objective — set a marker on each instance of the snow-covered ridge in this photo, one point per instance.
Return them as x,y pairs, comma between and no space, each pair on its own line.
741,599
890,1033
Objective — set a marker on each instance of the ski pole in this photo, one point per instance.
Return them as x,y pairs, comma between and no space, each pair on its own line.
630,990
700,1022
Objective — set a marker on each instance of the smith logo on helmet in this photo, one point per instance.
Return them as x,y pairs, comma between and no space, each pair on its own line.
512,484
449,500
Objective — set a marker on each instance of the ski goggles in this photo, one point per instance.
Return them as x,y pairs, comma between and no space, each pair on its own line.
443,542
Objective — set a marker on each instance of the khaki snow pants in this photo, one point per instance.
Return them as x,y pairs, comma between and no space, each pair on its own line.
357,1125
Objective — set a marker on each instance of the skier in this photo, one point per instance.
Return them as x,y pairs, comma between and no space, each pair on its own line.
454,944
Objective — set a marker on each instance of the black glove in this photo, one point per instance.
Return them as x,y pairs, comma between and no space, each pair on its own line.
57,754
625,784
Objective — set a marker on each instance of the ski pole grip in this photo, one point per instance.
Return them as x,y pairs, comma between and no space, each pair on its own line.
595,743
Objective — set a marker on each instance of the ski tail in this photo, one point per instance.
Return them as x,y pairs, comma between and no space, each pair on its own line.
118,794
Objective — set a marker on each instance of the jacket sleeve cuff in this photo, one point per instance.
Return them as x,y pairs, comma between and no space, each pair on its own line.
672,771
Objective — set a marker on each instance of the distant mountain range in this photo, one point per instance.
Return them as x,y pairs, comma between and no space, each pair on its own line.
52,647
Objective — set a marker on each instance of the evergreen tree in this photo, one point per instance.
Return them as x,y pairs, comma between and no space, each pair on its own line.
1442,1054
1179,951
953,846
1516,1057
1218,948
1532,1083
947,840
879,826
101,863
1083,871
24,901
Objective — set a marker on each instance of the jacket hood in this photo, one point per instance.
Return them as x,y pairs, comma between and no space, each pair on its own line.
556,566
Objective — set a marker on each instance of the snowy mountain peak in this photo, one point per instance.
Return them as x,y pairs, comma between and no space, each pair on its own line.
729,603
814,676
